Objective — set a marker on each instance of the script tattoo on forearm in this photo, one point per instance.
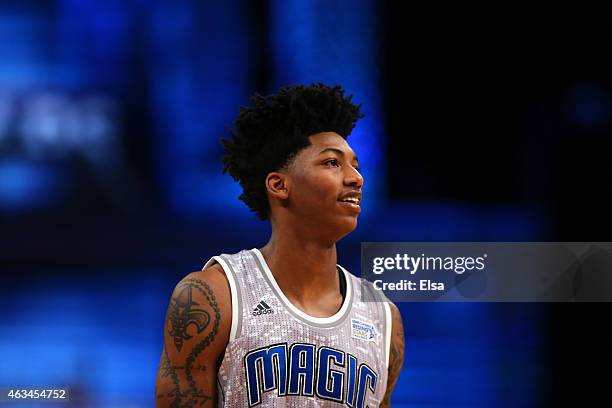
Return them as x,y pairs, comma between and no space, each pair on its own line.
182,313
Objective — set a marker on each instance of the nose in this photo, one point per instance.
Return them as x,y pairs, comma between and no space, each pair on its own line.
353,178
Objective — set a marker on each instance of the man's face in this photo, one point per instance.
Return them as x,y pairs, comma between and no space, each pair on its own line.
326,185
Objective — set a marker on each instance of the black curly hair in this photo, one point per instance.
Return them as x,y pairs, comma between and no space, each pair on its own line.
271,131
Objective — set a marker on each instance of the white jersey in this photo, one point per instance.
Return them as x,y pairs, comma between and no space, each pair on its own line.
278,356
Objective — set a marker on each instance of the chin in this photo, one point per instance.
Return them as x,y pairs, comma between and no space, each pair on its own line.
347,227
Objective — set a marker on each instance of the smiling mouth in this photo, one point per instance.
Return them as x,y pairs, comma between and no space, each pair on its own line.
350,200
351,204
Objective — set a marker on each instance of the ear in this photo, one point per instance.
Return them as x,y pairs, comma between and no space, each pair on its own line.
277,185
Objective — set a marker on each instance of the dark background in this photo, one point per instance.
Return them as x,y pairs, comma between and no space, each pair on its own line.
483,123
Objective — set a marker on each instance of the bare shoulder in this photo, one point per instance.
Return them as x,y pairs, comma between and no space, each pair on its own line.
196,333
396,316
200,300
214,277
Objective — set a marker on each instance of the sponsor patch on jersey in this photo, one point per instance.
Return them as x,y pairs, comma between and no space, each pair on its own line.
362,330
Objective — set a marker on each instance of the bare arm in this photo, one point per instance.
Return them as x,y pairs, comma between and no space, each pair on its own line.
396,354
195,336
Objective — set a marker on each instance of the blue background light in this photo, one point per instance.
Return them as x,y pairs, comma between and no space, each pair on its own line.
111,190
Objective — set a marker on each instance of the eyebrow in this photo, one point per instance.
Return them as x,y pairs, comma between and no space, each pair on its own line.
337,151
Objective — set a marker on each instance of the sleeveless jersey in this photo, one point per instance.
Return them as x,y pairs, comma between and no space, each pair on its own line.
278,356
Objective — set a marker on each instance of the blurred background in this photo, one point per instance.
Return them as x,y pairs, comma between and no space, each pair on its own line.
483,123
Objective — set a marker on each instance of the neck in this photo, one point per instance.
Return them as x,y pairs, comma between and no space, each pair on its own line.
305,269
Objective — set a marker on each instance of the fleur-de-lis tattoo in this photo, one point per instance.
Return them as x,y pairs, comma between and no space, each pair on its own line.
183,313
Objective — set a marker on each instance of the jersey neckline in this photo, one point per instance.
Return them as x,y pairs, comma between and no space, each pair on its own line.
300,314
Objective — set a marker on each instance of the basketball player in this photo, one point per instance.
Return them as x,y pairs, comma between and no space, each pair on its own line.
284,325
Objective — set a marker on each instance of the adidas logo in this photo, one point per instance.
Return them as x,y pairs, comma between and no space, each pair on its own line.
262,308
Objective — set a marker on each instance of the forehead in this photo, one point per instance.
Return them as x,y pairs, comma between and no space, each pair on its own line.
325,140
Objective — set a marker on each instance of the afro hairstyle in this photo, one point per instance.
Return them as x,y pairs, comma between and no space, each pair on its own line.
273,130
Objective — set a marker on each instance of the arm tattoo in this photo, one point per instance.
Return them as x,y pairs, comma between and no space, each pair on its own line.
210,297
182,313
396,357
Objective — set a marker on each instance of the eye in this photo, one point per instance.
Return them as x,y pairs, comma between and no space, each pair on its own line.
332,163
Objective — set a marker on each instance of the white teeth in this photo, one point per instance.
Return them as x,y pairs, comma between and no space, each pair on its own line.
351,200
